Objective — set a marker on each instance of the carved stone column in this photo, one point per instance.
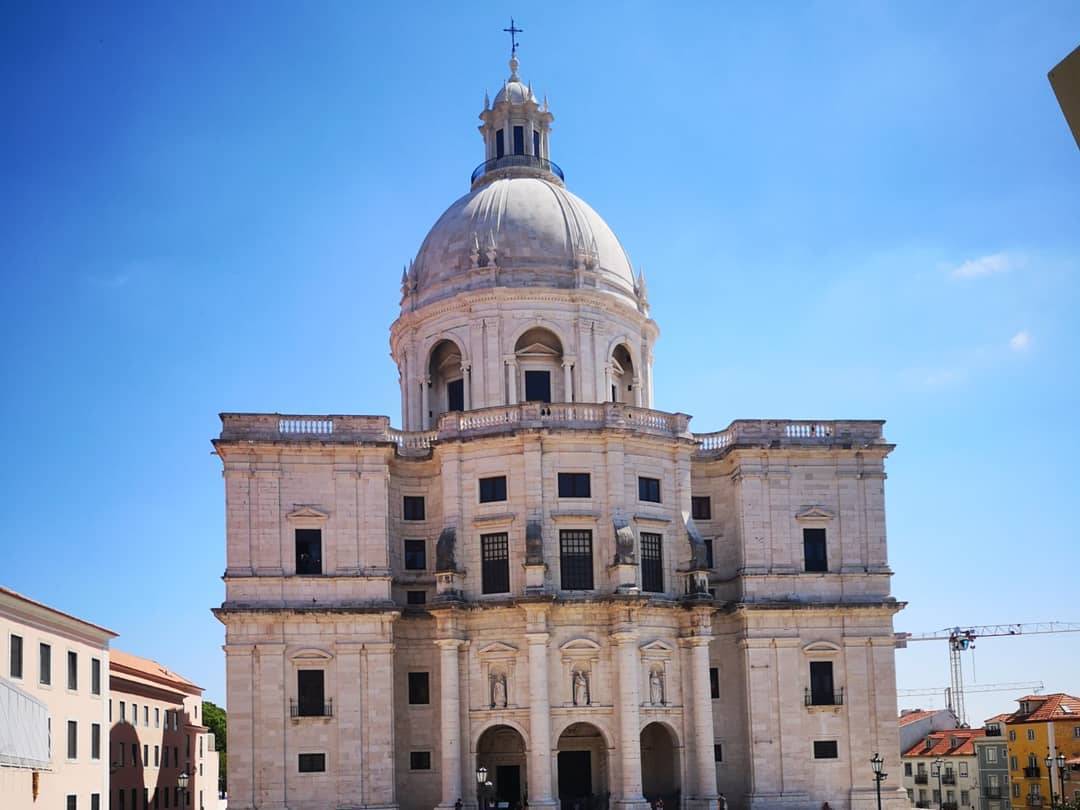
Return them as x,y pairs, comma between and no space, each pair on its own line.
568,380
512,381
450,720
425,387
629,712
638,401
466,385
696,650
540,792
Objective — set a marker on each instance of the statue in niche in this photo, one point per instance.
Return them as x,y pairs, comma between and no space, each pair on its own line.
581,688
498,691
656,687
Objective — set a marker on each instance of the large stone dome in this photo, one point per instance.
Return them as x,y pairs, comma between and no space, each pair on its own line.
520,231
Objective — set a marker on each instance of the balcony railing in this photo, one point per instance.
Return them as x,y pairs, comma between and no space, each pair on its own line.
824,698
992,793
922,778
1032,772
948,806
1034,801
948,778
311,709
993,731
516,162
922,803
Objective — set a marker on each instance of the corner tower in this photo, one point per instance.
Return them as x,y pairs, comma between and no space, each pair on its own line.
521,291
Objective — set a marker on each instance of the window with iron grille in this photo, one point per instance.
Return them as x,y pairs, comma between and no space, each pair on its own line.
413,507
649,489
701,507
495,559
493,489
575,485
576,559
415,555
652,564
825,749
312,763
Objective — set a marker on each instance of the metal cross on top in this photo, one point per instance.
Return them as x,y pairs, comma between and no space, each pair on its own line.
513,32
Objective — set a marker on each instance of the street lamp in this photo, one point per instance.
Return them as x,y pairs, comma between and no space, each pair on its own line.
935,769
1061,773
182,781
481,783
877,763
1050,777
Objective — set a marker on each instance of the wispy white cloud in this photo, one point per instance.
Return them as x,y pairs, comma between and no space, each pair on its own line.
1020,341
988,265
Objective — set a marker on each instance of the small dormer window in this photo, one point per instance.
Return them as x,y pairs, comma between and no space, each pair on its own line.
500,144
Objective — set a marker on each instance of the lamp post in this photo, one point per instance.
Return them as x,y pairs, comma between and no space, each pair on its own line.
1050,777
182,782
1061,773
935,768
481,784
877,763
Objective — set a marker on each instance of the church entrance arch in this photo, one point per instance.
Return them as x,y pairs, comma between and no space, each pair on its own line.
660,773
582,765
501,749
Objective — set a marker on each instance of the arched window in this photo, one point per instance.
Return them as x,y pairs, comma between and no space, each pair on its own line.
622,375
447,380
539,355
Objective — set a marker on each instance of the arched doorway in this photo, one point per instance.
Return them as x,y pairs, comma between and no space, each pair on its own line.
582,765
501,749
447,380
539,354
660,774
622,376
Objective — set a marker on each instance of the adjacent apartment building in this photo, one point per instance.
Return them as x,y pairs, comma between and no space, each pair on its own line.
53,673
991,753
915,724
941,770
156,738
1044,726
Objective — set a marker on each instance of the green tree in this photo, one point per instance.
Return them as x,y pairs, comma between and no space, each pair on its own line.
216,720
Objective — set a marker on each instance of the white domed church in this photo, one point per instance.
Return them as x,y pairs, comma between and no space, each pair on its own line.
540,591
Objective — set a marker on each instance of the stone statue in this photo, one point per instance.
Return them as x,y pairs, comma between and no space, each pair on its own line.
534,543
498,691
444,550
699,554
656,688
581,688
624,542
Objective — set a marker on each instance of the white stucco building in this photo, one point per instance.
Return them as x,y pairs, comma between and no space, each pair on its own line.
539,573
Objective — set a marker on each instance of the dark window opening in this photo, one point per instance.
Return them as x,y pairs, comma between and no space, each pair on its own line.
72,739
649,489
416,597
45,664
493,489
16,657
614,394
814,550
413,507
717,752
419,694
455,395
575,485
576,559
495,567
73,669
701,507
415,555
821,684
72,803
95,676
308,551
652,564
519,140
312,763
714,682
311,697
536,143
538,386
709,552
825,749
500,144
419,760
95,741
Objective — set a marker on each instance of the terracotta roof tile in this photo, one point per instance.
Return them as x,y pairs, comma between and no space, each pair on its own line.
914,716
1058,706
145,666
940,743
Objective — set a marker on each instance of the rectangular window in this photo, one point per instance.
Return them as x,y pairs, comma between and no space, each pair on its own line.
44,664
413,507
907,769
538,386
495,563
134,714
157,756
963,769
991,754
500,144
416,597
415,555
95,676
1016,790
73,670
825,749
146,715
718,752
120,799
652,563
1012,735
714,683
72,802
146,755
165,756
814,554
16,657
157,718
1076,731
701,507
72,739
575,485
308,552
536,143
1013,764
493,489
95,741
419,694
312,763
309,693
165,796
648,489
576,559
519,140
123,712
964,798
1031,734
709,552
419,760
821,684
455,395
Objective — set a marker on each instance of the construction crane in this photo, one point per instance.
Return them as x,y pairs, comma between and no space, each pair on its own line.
962,639
1030,687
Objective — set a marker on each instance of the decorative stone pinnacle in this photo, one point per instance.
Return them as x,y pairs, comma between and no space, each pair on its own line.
513,69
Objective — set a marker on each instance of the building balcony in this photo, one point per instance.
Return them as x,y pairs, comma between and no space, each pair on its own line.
309,709
516,162
1034,801
922,804
922,778
949,806
992,793
1032,772
993,731
948,778
813,698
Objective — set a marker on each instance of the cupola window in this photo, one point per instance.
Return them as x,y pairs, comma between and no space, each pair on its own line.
536,143
537,386
500,144
519,140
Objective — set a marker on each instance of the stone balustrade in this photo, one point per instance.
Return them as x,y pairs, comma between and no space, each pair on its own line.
561,415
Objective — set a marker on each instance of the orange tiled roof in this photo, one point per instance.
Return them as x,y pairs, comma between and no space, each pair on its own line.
940,743
914,716
152,669
998,718
1058,706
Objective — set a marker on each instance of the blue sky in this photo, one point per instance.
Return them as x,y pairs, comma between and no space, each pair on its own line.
863,210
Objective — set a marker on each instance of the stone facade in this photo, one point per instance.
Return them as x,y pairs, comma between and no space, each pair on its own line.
540,574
